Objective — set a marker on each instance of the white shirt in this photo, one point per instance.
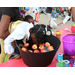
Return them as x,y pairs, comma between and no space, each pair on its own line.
18,34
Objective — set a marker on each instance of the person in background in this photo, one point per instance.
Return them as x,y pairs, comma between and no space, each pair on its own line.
28,11
72,11
7,15
36,15
57,9
49,11
69,14
62,12
53,14
22,12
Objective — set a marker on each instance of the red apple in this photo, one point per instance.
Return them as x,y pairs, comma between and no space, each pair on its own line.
41,46
47,44
36,51
34,46
24,49
50,48
42,50
30,51
26,44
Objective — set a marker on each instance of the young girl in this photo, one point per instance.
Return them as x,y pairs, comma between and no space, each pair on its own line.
38,33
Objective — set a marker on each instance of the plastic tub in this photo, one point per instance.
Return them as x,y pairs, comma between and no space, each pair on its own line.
69,44
40,59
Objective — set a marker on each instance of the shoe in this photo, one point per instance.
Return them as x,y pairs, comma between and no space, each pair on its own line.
54,19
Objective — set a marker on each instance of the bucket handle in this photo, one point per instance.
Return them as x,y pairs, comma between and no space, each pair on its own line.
71,34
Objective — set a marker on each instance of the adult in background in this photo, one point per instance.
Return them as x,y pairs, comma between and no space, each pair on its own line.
7,15
49,11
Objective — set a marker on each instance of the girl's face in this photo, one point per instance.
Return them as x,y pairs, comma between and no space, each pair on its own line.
33,38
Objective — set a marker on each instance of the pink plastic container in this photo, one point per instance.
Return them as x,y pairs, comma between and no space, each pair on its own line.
69,44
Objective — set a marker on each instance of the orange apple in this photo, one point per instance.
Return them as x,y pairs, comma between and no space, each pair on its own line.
42,50
47,44
41,46
24,49
34,46
30,51
50,48
36,51
26,44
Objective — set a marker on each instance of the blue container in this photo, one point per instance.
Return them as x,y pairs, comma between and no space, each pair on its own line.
59,56
66,63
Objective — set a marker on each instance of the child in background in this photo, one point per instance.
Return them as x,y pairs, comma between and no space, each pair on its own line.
28,11
36,15
53,14
62,11
22,13
59,11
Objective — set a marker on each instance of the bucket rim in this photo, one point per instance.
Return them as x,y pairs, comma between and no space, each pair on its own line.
67,41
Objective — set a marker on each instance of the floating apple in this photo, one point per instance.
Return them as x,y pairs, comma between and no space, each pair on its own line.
36,51
41,46
30,51
34,46
24,49
50,48
42,50
47,44
26,44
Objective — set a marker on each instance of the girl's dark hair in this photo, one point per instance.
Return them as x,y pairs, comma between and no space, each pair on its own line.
39,31
27,17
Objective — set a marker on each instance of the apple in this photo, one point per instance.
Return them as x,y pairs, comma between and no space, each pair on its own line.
41,46
26,44
34,46
47,44
50,48
36,51
24,49
30,51
42,50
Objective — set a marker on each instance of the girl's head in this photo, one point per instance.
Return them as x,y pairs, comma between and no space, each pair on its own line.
38,33
29,19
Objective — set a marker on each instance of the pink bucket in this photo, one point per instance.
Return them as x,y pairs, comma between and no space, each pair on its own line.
69,44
